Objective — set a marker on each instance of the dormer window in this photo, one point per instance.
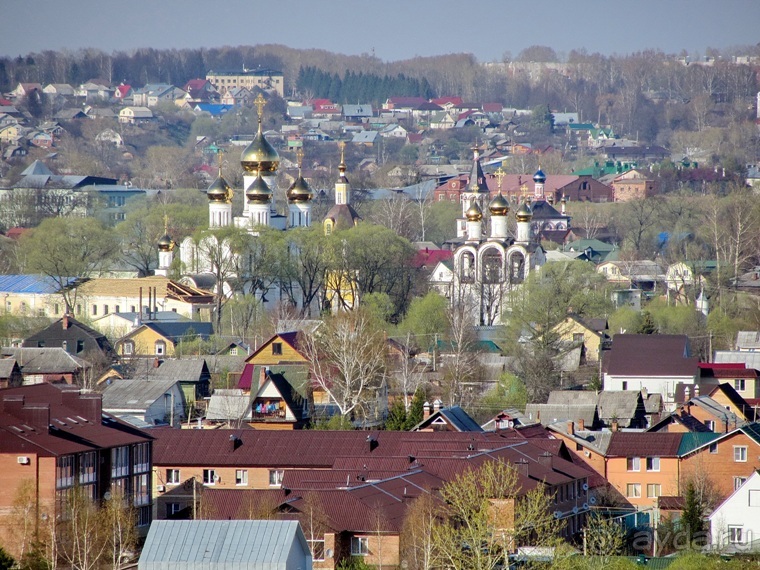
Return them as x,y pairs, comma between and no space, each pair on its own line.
160,348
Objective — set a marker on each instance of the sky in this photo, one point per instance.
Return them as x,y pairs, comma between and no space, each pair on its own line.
391,30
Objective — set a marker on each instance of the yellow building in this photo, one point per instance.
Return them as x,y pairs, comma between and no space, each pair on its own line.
161,339
589,334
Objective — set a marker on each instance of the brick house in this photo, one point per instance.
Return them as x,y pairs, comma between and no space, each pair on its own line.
58,438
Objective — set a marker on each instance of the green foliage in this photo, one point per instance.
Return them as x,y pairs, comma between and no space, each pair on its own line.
441,219
333,423
401,420
509,392
647,324
379,305
396,416
425,318
35,559
6,560
624,319
692,520
354,563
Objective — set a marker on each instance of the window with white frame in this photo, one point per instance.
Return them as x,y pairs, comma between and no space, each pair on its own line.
738,482
653,490
740,453
160,348
710,424
209,477
241,477
633,490
359,546
713,448
275,477
653,463
739,384
172,476
317,547
141,456
735,534
633,464
172,509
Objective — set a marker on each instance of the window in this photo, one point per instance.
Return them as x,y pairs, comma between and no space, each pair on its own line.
87,467
653,490
653,463
275,477
80,346
735,534
105,309
209,477
172,476
277,348
56,308
141,457
713,448
129,348
739,384
94,309
120,462
160,348
738,482
141,489
317,549
625,386
359,546
116,309
172,509
710,424
64,476
234,351
577,337
241,477
634,464
740,453
633,490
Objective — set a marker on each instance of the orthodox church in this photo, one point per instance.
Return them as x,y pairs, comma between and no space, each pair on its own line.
487,265
260,162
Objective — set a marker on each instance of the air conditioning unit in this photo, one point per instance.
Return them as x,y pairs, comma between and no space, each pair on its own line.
22,460
160,488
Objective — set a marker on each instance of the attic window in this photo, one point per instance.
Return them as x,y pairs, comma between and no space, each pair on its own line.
277,348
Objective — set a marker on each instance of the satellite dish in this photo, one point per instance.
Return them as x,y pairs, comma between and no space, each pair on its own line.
107,495
328,553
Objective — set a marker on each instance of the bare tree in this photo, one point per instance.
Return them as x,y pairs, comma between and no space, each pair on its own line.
348,360
408,375
417,546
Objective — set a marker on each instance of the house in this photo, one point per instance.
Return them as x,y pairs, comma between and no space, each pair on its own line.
111,137
221,545
590,334
632,185
10,373
358,113
437,418
161,339
116,325
192,374
614,408
594,250
200,90
393,131
135,115
158,401
667,364
56,439
30,295
239,96
47,365
59,90
261,78
642,274
441,121
748,341
735,523
123,92
231,407
367,138
280,398
74,337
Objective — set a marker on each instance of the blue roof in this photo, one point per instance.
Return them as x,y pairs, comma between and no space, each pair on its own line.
213,109
30,284
459,418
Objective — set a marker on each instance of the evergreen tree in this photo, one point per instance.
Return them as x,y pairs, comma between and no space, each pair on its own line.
396,420
692,519
416,410
648,326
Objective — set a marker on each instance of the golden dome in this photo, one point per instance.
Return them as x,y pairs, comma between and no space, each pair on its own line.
499,206
524,213
166,243
299,190
474,213
259,191
219,191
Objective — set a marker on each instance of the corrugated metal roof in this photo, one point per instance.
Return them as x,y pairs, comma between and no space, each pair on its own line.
135,394
228,545
29,284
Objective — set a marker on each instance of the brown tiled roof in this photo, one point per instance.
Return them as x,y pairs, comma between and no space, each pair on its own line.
48,420
650,355
644,444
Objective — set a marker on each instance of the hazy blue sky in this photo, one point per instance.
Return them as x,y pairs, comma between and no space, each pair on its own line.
394,29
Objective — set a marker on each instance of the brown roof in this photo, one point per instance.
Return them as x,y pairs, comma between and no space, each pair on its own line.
650,355
644,444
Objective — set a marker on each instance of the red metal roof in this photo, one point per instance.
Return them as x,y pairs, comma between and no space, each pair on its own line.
644,444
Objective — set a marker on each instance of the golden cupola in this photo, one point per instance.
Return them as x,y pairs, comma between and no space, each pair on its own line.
219,191
260,155
474,213
299,191
524,213
259,191
499,205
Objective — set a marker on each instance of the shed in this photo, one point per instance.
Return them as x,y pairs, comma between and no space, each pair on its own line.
228,545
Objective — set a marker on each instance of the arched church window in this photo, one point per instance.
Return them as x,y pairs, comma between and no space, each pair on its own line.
467,270
516,267
491,266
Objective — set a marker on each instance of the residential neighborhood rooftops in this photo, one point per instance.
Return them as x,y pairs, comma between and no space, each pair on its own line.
666,355
644,444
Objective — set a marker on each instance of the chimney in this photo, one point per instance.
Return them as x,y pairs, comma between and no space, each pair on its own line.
581,424
644,393
156,362
263,376
140,308
425,410
614,426
696,390
686,394
570,428
437,405
372,442
545,459
235,442
522,467
92,406
65,321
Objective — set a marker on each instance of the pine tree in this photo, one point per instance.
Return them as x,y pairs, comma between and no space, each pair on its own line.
692,519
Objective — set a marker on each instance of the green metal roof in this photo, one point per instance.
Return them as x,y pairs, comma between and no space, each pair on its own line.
691,441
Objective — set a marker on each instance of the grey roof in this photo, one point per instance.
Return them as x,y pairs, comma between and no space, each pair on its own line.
748,340
357,110
6,367
229,405
135,394
619,404
365,137
718,410
653,403
37,167
228,545
45,360
552,413
751,359
186,370
598,440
